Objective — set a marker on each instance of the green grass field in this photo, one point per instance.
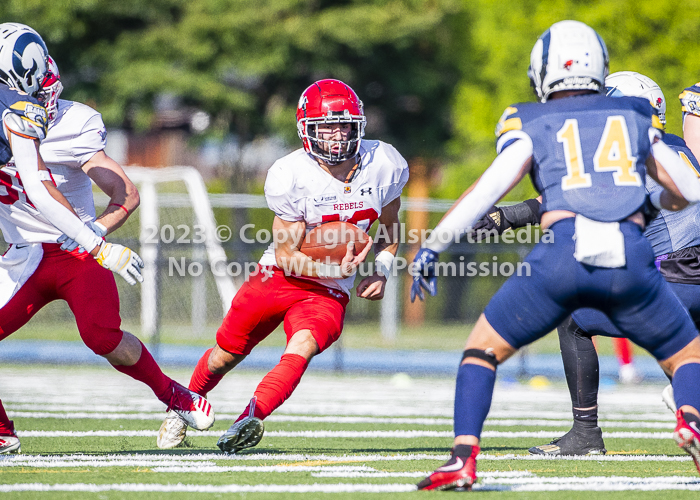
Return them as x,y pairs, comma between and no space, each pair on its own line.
90,433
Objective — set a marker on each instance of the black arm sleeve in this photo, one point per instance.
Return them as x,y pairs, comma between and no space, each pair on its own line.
522,214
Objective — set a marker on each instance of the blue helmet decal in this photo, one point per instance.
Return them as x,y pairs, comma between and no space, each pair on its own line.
19,55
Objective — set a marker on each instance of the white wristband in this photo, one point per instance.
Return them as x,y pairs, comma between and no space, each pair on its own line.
655,199
328,271
383,262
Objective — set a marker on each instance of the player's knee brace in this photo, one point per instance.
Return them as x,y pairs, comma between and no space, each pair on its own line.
484,355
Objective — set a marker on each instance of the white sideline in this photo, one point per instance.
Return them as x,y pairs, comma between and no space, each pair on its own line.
407,434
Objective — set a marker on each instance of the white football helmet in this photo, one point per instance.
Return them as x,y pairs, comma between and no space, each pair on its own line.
631,83
22,57
568,56
51,89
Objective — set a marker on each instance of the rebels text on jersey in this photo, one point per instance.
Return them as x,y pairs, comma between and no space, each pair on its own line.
298,189
589,152
72,139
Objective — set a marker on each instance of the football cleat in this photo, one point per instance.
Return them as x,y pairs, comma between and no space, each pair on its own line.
245,433
629,375
192,408
457,472
687,435
576,442
10,444
172,431
668,398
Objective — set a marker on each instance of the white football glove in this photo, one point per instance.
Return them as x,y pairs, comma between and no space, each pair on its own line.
121,260
68,244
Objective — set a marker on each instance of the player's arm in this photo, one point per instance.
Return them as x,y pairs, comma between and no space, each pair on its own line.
691,133
113,181
385,249
500,219
24,138
288,237
506,171
680,183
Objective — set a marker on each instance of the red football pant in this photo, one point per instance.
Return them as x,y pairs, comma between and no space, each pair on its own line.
88,288
91,293
266,300
269,298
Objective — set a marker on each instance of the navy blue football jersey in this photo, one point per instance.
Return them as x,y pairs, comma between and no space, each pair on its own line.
690,100
672,231
14,101
589,152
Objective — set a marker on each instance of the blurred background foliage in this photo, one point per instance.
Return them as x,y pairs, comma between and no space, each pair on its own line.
435,75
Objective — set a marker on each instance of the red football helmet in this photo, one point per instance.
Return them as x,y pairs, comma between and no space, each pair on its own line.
51,89
330,101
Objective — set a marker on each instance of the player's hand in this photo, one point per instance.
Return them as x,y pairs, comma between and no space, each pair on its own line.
348,266
493,221
424,277
68,244
121,260
372,287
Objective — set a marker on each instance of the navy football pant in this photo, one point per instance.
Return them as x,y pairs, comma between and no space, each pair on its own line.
594,322
528,307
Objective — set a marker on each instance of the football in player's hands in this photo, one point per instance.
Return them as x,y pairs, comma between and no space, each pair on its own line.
328,243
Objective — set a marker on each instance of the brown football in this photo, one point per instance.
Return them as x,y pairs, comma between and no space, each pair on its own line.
328,242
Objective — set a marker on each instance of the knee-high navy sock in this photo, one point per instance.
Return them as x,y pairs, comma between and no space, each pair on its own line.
686,389
473,398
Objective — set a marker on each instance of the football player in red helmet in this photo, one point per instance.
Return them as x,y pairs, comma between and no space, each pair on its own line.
335,176
331,121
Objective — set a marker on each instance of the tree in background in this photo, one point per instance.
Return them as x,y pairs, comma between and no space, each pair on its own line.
658,39
246,62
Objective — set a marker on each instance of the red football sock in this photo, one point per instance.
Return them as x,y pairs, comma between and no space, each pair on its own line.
6,425
146,370
277,385
203,380
623,349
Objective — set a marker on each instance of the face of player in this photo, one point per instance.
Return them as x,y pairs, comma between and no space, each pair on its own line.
330,136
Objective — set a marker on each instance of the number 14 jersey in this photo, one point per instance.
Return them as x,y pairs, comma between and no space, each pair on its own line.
298,189
589,152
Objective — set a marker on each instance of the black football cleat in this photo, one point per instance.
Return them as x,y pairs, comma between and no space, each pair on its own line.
458,472
576,442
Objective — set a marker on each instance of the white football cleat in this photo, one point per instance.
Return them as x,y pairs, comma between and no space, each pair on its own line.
192,408
9,444
172,431
667,396
245,433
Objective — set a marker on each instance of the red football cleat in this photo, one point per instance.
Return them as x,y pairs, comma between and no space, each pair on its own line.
687,435
456,473
194,410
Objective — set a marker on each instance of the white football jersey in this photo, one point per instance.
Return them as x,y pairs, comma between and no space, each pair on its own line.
298,189
73,138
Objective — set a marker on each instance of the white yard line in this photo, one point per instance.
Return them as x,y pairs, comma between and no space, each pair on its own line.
404,434
291,460
197,488
564,423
